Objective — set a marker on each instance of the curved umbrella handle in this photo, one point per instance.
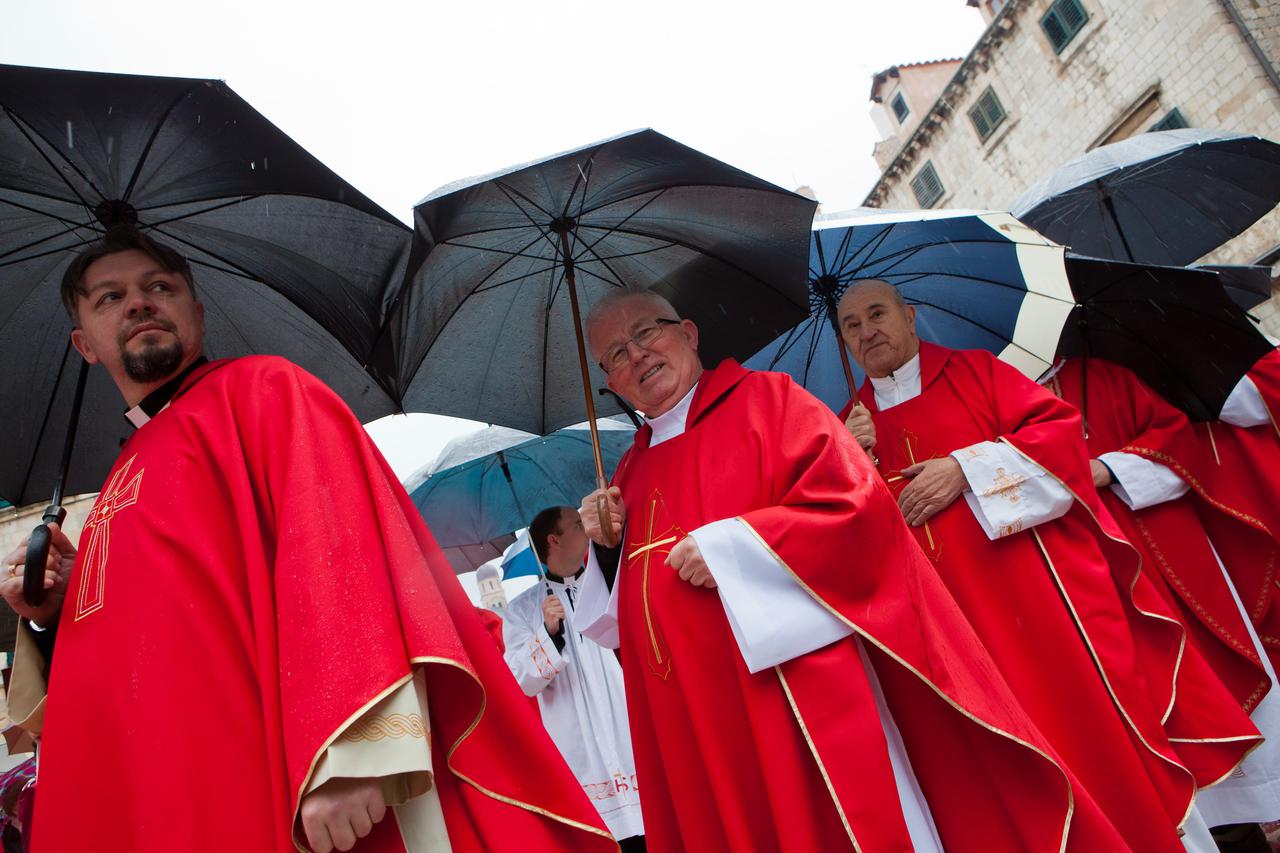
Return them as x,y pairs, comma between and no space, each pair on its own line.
33,591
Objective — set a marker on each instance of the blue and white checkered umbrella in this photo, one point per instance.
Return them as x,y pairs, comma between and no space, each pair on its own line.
978,280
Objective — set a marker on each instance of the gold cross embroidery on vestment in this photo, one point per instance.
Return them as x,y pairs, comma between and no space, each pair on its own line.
118,495
654,543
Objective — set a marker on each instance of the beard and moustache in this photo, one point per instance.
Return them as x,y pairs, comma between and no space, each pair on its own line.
154,361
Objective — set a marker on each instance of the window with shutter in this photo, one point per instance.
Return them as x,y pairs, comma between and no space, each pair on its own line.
1173,120
1064,19
986,114
900,110
927,186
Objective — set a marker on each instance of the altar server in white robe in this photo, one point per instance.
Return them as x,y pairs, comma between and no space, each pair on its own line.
578,684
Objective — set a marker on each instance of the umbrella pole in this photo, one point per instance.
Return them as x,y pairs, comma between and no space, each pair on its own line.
844,352
1115,220
602,482
33,590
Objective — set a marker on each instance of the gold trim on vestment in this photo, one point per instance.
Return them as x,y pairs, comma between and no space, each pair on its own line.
1107,681
1250,653
484,701
1182,631
400,682
813,748
1234,767
1167,460
860,631
337,733
1256,608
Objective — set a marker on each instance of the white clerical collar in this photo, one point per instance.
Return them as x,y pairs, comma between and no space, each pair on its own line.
899,386
670,424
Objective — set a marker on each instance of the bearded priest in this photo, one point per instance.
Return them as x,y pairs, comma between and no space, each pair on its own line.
261,646
797,676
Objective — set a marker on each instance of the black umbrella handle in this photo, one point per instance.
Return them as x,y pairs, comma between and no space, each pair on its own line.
33,591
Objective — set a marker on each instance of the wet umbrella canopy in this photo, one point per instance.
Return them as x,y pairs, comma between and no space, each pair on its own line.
1164,198
978,280
484,328
1176,328
288,258
501,491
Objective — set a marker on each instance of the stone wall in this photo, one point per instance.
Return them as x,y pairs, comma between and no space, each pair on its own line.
1133,62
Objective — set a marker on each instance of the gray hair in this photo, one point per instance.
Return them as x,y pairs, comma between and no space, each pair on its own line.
611,301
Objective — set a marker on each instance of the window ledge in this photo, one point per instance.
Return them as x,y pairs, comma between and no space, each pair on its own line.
997,136
1095,22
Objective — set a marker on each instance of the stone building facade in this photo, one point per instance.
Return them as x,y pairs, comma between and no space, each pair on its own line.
1050,80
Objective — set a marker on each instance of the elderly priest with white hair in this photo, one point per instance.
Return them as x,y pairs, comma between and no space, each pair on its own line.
797,675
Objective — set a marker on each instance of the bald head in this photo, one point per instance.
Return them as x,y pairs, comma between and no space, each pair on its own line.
878,326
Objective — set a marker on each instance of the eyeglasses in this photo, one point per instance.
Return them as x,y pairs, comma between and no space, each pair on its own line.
645,337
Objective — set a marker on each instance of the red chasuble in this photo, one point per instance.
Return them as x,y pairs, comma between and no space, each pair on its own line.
1108,728
794,758
253,579
1234,473
1123,414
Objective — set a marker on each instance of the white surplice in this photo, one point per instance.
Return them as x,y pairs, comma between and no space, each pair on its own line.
773,621
1007,492
582,699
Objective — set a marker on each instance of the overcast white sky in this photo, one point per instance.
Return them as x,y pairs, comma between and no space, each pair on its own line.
401,97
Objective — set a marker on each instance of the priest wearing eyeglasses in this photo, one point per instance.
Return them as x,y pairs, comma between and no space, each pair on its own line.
797,676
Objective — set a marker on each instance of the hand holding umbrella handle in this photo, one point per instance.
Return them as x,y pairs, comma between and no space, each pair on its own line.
33,591
607,531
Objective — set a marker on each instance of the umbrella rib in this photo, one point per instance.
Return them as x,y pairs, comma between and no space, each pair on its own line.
22,128
546,337
813,352
71,226
697,250
44,422
585,182
848,259
618,227
975,323
554,265
482,285
794,334
519,253
618,279
151,141
359,357
543,232
79,243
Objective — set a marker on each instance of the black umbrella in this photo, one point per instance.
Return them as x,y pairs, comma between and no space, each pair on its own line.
1165,198
1248,285
1176,328
504,266
288,258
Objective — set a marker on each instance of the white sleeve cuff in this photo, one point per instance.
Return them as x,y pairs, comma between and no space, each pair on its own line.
1007,492
596,612
1141,483
773,618
1244,406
